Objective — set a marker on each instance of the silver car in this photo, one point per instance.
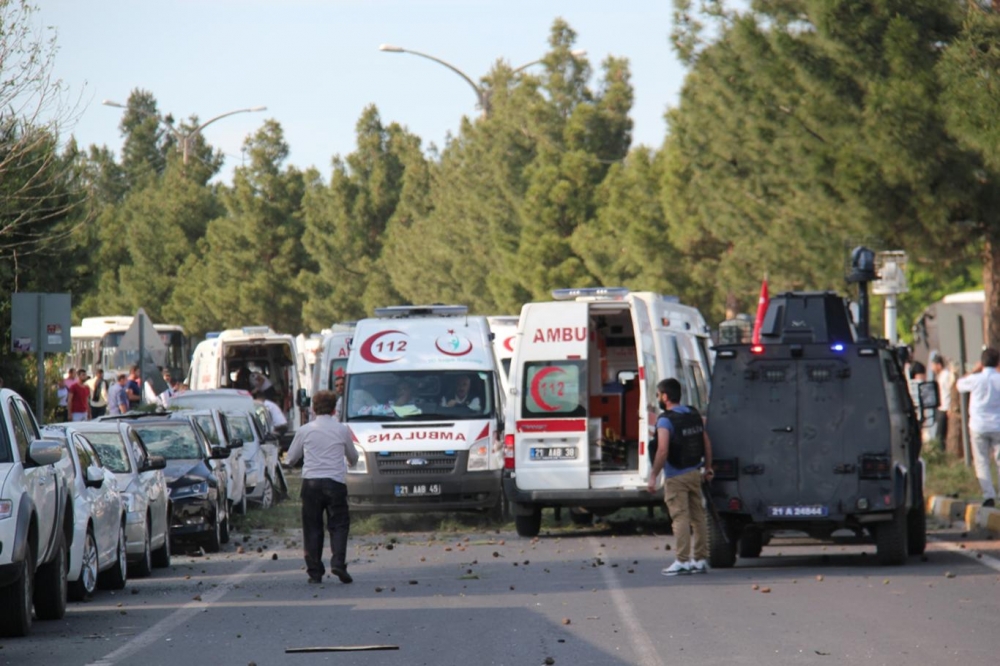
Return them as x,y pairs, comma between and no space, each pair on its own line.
143,489
265,478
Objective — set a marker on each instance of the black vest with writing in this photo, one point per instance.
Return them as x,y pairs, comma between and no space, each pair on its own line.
687,443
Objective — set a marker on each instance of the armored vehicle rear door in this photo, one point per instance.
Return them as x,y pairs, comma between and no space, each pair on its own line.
796,439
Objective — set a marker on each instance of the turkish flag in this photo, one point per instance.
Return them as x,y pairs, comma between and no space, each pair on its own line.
761,311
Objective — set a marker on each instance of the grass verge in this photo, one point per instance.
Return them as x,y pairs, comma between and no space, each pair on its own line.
947,474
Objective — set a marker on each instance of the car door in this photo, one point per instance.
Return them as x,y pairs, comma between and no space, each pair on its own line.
99,499
237,464
151,483
40,480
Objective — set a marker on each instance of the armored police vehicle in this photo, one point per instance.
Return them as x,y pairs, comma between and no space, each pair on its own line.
813,430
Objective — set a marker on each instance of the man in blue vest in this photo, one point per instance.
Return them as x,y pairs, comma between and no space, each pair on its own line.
682,451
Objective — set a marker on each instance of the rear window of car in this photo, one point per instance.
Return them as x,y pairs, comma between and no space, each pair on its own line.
239,428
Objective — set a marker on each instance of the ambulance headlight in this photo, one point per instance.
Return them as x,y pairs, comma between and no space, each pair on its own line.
479,456
360,467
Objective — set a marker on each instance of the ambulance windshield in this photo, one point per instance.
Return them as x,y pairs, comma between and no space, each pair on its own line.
420,396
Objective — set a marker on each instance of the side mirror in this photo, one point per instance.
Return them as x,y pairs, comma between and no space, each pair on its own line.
928,396
154,462
93,477
220,452
271,438
236,443
44,452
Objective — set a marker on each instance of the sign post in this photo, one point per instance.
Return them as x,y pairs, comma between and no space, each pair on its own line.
40,323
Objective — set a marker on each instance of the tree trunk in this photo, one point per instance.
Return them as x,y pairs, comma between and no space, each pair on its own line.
991,284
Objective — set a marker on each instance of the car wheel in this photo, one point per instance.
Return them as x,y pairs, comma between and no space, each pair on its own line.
530,525
891,541
267,494
115,577
721,542
84,586
161,556
51,587
224,531
214,541
144,566
241,506
16,599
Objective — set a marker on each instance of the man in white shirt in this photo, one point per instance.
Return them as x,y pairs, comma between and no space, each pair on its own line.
326,448
278,419
983,385
945,380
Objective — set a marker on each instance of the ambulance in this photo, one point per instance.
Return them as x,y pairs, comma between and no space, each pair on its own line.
504,329
423,396
331,359
582,405
237,358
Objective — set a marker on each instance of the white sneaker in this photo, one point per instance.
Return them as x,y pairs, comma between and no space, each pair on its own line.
699,566
678,568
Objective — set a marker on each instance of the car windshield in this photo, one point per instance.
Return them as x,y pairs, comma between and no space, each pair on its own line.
173,442
420,395
111,449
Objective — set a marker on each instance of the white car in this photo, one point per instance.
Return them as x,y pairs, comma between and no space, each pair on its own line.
265,478
143,489
97,555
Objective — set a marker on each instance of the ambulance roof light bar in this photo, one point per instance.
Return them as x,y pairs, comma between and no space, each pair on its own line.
256,330
602,293
438,310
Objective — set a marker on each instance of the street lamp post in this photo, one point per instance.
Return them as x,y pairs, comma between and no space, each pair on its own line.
482,94
184,138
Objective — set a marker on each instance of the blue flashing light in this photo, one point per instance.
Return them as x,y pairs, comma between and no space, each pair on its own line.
837,347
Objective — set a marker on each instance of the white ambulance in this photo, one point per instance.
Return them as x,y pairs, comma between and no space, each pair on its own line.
504,329
253,356
422,406
331,359
582,406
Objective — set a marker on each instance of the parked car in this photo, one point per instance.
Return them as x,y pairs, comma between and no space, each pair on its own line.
195,481
98,554
265,478
215,426
34,491
143,489
232,402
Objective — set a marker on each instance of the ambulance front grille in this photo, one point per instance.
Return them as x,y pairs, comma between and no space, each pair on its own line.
416,462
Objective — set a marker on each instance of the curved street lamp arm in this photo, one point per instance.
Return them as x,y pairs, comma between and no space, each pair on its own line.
479,91
223,115
525,66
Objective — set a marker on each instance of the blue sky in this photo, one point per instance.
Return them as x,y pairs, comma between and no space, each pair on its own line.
316,64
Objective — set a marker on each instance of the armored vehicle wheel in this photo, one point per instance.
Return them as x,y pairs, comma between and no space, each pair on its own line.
891,541
529,526
721,542
916,528
751,542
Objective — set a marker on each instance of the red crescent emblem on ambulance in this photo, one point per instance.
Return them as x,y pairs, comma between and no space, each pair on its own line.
536,388
368,350
508,343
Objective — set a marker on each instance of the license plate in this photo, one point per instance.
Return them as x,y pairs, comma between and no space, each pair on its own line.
418,489
553,452
810,511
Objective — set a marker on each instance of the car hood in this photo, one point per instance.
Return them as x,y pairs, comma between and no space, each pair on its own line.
185,472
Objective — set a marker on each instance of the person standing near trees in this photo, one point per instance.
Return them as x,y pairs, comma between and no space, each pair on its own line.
983,387
682,450
79,398
98,394
326,448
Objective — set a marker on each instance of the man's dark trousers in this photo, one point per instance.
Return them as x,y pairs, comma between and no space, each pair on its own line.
329,496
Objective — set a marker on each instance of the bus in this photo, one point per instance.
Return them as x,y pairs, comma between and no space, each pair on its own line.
96,341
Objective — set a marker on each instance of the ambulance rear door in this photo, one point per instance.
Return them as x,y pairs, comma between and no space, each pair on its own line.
549,388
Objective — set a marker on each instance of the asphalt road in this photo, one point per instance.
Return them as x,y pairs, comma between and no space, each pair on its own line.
584,596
